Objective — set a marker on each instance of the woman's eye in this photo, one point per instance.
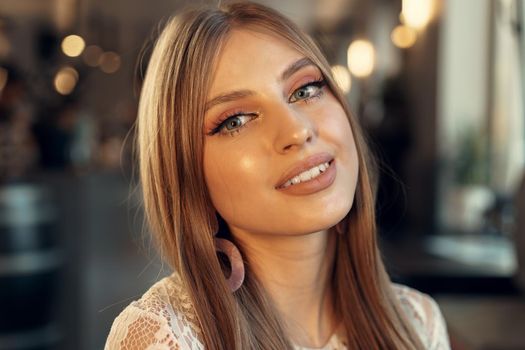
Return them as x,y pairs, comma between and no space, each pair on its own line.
233,124
307,91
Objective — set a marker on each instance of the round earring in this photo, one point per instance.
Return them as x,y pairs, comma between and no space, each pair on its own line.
234,256
340,228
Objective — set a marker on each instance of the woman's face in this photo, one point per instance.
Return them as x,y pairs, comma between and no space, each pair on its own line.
279,155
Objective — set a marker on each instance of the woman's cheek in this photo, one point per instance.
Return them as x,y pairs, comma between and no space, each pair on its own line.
334,122
229,177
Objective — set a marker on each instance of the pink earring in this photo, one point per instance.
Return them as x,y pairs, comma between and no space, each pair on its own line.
340,228
237,266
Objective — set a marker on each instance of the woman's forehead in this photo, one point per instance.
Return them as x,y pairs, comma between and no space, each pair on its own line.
256,38
248,55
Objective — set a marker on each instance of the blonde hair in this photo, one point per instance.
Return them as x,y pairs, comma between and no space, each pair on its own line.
183,220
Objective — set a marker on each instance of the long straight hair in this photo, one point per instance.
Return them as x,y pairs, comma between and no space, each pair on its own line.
182,218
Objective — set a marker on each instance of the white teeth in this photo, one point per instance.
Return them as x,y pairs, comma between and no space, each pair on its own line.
307,175
314,172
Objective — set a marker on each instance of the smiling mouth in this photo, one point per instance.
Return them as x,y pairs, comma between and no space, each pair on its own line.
308,175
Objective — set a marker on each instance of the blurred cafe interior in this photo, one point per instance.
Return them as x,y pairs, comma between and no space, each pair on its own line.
437,84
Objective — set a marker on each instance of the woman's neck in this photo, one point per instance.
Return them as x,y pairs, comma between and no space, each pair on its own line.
296,271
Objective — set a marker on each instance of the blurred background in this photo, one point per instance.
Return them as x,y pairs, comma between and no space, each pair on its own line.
437,84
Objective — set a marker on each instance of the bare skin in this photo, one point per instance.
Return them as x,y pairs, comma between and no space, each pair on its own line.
283,115
295,272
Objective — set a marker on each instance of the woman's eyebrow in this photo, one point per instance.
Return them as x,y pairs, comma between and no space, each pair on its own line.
295,66
228,97
239,94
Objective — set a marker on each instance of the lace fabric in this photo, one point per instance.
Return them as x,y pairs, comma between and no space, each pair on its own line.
164,319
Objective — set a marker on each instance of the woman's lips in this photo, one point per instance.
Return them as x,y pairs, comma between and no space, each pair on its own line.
304,165
319,183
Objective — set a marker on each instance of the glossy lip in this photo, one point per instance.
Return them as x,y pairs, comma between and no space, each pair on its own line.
304,165
314,185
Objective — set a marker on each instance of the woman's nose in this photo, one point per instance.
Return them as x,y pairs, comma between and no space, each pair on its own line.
294,130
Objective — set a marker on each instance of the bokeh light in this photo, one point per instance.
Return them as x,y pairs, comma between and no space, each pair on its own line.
417,13
92,55
109,62
403,36
73,45
361,58
66,80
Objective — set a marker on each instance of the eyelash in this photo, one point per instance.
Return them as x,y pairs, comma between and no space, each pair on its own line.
220,125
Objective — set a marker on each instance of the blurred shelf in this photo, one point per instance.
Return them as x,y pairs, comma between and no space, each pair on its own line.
453,264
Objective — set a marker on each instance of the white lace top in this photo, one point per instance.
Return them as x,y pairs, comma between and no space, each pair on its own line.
164,319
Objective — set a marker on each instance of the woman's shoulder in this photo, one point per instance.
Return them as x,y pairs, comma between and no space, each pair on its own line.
163,318
425,315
